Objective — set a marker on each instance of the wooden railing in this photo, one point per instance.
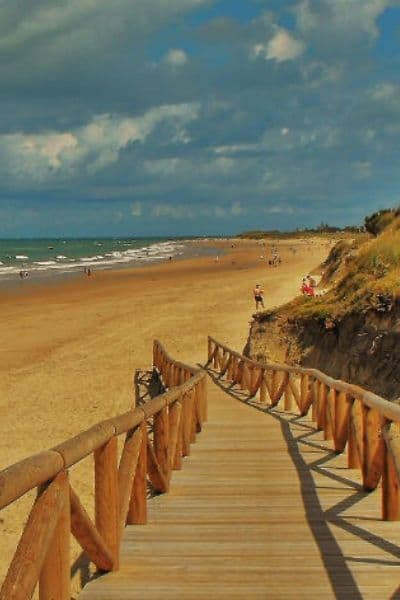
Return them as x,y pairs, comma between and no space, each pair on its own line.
120,490
350,416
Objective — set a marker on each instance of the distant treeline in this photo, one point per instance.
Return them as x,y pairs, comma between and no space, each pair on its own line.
374,224
322,229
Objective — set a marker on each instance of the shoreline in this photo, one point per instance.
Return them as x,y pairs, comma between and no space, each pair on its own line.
54,276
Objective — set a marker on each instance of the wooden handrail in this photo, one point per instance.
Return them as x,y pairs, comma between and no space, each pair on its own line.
388,409
120,486
350,416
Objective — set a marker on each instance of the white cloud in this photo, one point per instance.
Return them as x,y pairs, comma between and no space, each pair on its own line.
278,209
362,169
384,91
219,212
235,149
281,47
40,19
224,164
344,16
163,166
176,58
90,147
136,209
237,209
178,212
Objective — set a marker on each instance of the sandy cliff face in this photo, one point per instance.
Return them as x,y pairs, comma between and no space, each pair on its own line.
362,348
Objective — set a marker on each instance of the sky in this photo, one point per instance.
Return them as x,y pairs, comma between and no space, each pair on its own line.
196,117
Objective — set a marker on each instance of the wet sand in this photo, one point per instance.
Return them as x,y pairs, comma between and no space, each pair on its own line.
69,351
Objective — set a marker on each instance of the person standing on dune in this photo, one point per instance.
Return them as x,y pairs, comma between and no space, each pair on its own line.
258,293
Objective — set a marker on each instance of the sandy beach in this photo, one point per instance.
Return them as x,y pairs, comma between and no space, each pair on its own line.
69,351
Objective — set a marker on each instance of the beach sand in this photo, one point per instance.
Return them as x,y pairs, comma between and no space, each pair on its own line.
69,351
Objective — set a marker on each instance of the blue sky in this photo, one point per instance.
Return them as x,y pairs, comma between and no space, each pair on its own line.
178,117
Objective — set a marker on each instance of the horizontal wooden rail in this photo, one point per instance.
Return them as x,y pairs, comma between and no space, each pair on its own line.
353,418
120,485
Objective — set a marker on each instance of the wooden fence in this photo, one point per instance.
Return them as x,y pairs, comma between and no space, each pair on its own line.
351,417
120,489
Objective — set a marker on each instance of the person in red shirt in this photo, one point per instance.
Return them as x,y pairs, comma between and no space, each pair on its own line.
306,289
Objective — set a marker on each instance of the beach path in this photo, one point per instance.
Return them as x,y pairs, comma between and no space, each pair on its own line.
245,518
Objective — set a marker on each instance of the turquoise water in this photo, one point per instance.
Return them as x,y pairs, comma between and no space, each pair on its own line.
46,256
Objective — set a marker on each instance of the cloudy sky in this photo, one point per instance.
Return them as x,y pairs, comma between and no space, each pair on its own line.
178,117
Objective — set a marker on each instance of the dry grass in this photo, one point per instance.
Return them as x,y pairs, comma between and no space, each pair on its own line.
361,274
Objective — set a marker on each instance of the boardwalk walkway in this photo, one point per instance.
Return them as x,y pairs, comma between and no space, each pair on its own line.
262,509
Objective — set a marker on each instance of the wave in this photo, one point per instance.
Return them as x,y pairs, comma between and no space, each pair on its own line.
132,256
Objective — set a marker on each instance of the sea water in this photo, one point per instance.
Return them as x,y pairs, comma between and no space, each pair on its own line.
41,257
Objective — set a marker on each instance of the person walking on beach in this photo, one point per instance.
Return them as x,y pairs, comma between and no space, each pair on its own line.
258,293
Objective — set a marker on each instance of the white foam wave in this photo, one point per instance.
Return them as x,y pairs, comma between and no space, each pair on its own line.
63,264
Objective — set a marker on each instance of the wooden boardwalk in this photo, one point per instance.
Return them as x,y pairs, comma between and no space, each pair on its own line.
262,509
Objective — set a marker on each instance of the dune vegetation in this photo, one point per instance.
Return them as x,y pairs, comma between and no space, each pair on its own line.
351,328
360,273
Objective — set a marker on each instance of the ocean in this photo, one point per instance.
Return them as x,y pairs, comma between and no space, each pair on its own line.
36,258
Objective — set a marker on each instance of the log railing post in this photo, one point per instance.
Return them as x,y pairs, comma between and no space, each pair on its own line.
210,351
175,436
373,449
295,389
390,489
304,386
353,457
229,369
174,370
263,388
244,376
235,369
288,398
193,429
273,386
204,404
329,413
321,402
161,440
106,496
254,380
215,357
137,514
126,473
87,535
342,415
198,409
32,549
357,423
186,423
55,579
156,354
315,399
